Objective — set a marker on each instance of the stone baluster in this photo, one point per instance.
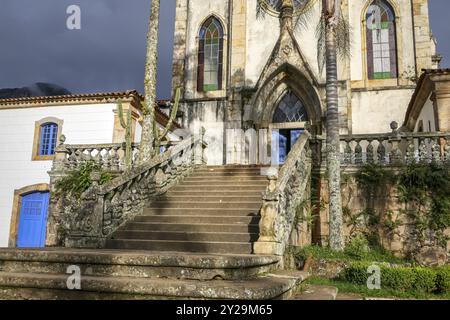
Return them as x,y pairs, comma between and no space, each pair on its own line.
424,155
347,152
358,153
410,151
369,152
381,152
435,151
115,161
107,159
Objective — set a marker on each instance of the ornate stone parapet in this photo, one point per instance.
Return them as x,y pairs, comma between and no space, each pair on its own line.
89,221
286,191
395,148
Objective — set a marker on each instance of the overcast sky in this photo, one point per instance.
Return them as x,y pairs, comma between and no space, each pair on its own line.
108,53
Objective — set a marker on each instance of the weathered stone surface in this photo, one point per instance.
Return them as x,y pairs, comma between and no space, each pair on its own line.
137,263
270,286
431,256
317,292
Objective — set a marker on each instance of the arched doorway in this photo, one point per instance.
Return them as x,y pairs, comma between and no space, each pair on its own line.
288,123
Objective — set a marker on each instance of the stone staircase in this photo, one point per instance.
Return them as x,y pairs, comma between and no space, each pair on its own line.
195,242
215,210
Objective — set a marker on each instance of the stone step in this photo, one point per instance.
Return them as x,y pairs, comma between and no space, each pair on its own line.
229,173
201,211
182,246
219,188
190,227
218,182
209,198
240,220
49,286
141,264
229,193
255,205
230,168
237,178
188,236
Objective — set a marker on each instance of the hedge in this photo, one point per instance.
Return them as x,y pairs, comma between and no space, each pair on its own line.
420,279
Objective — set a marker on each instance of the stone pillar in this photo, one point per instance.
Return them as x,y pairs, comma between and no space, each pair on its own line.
268,242
425,46
119,132
238,43
179,45
442,101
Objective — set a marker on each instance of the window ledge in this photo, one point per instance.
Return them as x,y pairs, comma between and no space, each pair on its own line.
43,158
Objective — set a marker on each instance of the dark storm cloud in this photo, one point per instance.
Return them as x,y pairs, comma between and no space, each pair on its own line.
108,53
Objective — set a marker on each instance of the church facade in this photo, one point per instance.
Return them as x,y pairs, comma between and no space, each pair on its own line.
254,82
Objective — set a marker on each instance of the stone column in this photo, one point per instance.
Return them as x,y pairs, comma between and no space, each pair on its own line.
442,100
179,45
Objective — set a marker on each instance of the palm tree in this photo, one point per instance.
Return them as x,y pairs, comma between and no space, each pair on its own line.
330,17
146,150
333,39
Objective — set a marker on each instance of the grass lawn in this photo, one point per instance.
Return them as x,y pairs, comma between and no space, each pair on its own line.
346,287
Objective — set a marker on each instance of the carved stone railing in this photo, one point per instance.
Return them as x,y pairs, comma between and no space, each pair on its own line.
395,148
110,157
102,209
288,188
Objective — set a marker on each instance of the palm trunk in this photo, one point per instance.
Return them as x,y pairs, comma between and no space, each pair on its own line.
333,161
147,137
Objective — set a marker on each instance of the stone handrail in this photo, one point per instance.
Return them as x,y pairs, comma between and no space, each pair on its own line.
395,148
287,190
110,156
102,209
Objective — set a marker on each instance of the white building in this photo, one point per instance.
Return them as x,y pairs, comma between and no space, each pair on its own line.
30,129
242,72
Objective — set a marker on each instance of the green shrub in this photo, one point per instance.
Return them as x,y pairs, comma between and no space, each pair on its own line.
356,273
443,279
358,247
402,279
79,180
425,279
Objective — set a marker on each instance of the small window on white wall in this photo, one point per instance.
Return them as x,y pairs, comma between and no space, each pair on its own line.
47,132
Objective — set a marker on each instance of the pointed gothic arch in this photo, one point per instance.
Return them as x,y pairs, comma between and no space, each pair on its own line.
286,79
210,55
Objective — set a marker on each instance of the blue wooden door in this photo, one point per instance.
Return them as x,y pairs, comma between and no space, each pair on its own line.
33,220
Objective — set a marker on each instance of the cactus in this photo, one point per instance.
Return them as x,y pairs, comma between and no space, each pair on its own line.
127,126
159,136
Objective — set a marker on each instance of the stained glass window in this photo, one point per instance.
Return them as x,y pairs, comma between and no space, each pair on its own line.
290,109
381,42
210,56
49,132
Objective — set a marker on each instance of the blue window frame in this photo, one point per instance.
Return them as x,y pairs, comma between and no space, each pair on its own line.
47,142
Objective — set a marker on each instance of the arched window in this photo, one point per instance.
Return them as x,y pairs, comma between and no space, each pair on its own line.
210,56
47,142
381,41
290,109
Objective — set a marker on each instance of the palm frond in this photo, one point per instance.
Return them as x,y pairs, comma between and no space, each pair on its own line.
343,42
303,20
260,14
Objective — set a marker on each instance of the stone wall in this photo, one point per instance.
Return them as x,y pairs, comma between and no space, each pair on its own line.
355,200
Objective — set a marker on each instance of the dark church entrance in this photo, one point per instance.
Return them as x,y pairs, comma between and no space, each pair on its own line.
287,126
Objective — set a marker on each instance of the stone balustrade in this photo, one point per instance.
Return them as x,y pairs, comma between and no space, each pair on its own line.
110,157
288,189
395,148
87,222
